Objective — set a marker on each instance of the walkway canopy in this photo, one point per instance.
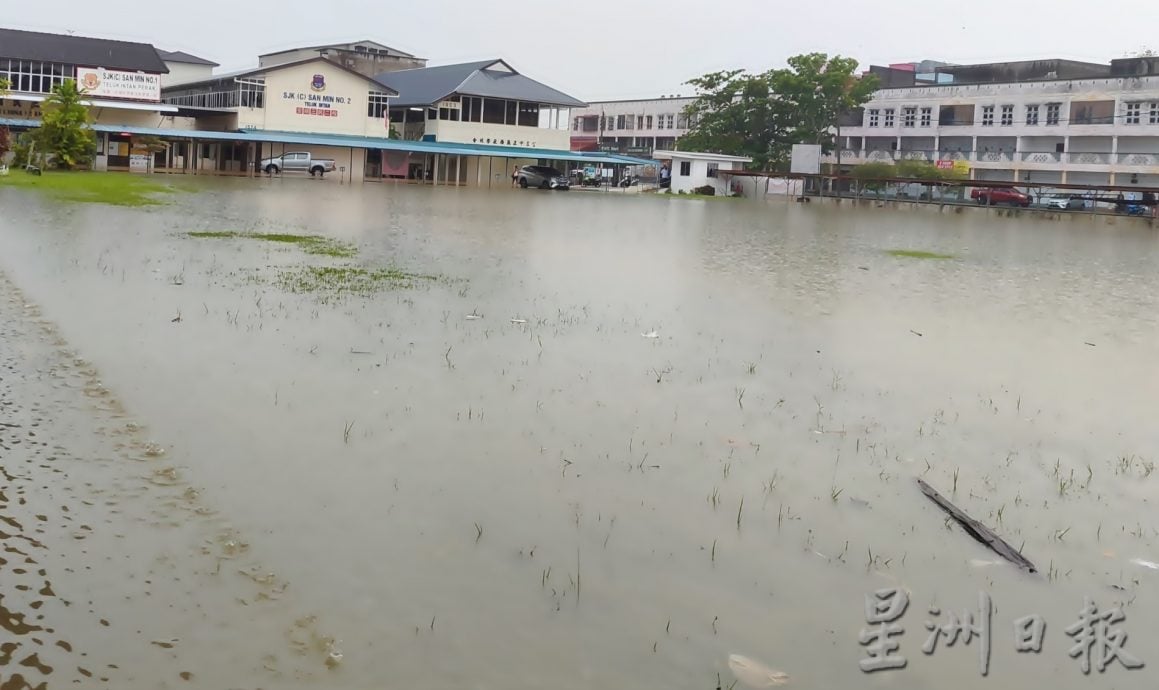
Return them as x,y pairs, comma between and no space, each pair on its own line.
304,139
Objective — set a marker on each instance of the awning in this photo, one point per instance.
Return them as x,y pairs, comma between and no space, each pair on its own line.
341,141
122,105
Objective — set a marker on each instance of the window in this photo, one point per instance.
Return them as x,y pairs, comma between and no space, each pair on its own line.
1052,111
681,121
874,114
376,105
670,121
1134,110
1032,115
987,116
472,108
528,115
629,122
611,124
648,120
575,124
639,122
33,77
493,110
908,117
1007,115
685,166
889,117
512,112
620,122
712,168
1155,114
252,93
927,116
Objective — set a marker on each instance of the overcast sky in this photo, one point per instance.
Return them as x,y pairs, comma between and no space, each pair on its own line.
603,49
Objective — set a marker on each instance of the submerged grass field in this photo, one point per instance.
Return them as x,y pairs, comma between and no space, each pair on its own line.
117,189
311,244
916,254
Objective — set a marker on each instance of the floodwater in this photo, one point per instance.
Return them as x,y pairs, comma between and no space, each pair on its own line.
620,440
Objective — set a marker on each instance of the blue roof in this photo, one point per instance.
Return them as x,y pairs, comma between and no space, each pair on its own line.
446,148
487,78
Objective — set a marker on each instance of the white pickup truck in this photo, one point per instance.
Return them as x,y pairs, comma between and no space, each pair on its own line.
298,161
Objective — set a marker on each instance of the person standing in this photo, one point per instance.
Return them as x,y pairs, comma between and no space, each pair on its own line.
514,175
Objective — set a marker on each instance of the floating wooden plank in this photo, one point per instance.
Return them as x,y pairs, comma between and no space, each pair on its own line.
977,530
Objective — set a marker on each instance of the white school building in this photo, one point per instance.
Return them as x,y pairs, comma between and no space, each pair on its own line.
465,124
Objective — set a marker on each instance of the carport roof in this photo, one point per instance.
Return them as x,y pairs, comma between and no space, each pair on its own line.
306,139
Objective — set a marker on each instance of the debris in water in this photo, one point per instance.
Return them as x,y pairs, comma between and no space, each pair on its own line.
755,674
915,332
333,658
977,530
652,334
984,563
1146,564
518,321
474,315
1091,344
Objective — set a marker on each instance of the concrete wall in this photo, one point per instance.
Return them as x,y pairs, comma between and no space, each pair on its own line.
182,72
504,135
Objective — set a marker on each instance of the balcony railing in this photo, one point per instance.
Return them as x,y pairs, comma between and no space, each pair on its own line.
1044,157
1086,158
1030,157
1141,159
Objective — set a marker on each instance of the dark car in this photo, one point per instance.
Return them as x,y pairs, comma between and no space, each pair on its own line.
543,177
993,196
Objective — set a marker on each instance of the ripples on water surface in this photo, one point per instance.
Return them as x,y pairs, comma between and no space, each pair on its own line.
540,496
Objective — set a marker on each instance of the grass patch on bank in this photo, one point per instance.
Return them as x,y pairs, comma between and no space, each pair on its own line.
916,254
117,189
311,244
348,280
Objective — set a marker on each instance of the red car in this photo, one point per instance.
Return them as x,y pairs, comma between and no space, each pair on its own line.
992,196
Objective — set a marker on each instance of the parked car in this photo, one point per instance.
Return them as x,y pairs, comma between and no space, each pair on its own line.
993,196
543,177
298,161
1063,202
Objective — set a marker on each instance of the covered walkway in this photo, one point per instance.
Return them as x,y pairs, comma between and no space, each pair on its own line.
203,152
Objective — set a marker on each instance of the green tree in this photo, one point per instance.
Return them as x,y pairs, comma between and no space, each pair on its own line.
5,134
814,90
763,115
733,114
65,132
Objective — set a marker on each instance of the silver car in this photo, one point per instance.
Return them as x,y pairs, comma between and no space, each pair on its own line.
543,177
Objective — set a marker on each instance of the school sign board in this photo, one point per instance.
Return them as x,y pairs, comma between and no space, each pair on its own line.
112,83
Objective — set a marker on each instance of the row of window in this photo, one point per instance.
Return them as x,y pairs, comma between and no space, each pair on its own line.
31,76
1135,114
611,123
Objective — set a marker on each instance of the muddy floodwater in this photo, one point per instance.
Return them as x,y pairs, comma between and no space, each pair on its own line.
507,439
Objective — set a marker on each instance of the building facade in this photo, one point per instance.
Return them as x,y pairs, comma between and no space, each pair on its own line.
487,102
1050,121
468,124
121,80
638,127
